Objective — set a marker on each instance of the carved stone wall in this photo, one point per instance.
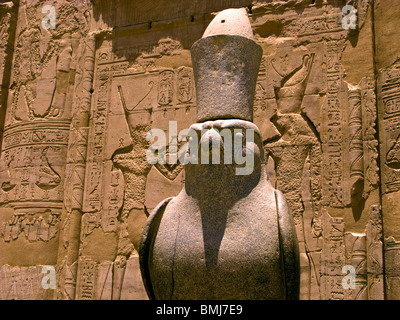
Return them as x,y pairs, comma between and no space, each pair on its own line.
78,101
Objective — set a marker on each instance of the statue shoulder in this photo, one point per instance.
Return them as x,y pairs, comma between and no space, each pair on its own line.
148,235
289,246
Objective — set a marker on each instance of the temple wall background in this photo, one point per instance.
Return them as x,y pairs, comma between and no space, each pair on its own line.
77,102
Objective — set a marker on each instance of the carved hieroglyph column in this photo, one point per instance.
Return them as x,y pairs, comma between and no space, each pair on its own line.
36,136
8,17
387,67
389,119
76,168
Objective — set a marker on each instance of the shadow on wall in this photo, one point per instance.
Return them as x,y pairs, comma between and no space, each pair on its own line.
155,16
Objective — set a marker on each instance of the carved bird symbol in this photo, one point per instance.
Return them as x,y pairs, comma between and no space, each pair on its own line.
299,74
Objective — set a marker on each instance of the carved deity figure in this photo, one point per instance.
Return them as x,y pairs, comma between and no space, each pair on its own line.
296,150
225,235
297,141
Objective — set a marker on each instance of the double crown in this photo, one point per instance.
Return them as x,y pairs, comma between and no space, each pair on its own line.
226,61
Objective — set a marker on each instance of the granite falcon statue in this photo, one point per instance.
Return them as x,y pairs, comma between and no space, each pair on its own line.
225,236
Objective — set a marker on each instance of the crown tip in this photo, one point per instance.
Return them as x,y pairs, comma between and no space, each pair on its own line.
230,22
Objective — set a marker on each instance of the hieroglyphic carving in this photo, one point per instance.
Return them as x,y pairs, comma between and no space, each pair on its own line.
375,268
332,132
45,74
165,46
48,136
23,283
392,260
332,258
392,274
389,103
34,171
36,227
104,185
97,280
38,113
166,87
87,277
185,88
369,118
75,168
356,256
312,26
94,178
362,251
260,94
112,201
78,140
47,177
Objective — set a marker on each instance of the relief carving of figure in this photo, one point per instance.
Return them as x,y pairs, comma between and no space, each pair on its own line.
297,145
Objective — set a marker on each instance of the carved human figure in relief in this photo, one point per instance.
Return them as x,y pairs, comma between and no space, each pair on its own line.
40,79
297,140
8,174
296,149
